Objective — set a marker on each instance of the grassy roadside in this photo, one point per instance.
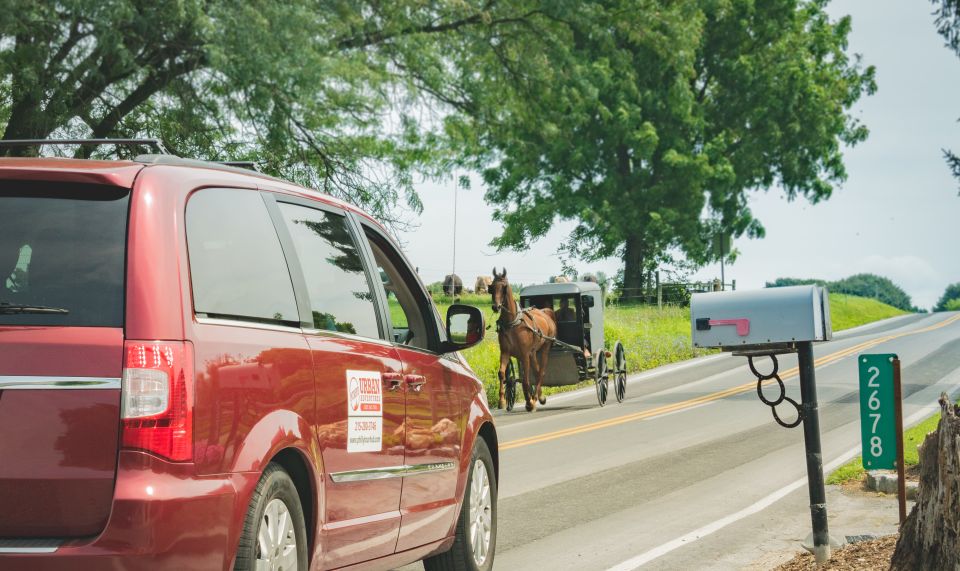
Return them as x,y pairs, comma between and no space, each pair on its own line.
912,439
651,337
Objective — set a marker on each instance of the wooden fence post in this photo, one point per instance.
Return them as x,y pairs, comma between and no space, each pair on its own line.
659,291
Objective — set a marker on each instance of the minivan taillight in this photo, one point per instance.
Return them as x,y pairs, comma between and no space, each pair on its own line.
157,398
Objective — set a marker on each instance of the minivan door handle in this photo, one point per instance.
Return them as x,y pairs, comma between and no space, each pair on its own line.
392,381
415,382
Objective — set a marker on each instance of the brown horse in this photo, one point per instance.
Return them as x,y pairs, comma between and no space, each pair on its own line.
522,334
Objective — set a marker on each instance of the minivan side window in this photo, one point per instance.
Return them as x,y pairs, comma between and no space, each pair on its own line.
236,263
337,284
412,315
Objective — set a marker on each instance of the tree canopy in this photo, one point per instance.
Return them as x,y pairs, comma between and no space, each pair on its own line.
324,92
648,123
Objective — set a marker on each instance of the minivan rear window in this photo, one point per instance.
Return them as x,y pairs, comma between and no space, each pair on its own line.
62,253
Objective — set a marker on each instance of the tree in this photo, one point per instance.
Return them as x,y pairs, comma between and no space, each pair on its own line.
949,299
324,92
948,26
649,122
874,286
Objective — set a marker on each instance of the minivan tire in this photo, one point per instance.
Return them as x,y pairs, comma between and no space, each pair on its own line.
275,484
460,556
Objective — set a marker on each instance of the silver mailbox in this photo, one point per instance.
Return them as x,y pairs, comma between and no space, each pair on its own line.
761,319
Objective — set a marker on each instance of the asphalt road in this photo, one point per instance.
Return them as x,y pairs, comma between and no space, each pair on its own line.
691,471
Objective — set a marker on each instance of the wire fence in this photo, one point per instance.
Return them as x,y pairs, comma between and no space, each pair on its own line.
665,293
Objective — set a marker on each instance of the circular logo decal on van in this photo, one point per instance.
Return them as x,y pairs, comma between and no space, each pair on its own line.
354,394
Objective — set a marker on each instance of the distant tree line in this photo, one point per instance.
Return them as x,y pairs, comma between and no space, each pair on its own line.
863,285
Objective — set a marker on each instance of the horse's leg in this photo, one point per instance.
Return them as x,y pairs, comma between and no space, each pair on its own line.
542,368
531,401
535,374
502,374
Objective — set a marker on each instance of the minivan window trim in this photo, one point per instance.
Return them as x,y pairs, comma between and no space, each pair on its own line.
240,322
342,335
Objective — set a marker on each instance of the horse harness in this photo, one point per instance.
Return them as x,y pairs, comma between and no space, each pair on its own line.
503,326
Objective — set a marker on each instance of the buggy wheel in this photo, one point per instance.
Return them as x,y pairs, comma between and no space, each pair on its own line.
510,388
620,372
601,378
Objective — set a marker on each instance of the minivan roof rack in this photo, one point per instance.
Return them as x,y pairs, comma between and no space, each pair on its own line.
161,155
241,167
249,165
155,143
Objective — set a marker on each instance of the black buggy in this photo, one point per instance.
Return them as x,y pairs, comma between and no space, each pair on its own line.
578,352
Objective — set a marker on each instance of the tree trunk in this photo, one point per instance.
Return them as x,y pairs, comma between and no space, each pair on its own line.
930,537
633,266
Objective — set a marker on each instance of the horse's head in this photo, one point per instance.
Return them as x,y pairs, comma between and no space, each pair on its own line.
498,289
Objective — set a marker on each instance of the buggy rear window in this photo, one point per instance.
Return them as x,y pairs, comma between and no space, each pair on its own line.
62,254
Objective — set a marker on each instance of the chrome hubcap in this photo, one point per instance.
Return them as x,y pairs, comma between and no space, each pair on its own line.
276,540
481,514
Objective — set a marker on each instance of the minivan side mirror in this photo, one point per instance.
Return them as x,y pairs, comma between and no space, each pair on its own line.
465,328
586,301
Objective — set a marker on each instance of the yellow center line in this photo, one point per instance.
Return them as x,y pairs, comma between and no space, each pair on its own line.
690,403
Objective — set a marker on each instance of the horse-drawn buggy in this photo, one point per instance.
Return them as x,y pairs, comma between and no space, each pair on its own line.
569,353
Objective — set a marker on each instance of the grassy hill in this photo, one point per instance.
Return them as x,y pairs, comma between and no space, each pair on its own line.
651,336
848,311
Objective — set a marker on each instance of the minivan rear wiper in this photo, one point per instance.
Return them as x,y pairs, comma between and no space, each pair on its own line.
17,308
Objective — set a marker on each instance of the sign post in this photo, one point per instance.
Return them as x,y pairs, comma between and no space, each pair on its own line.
881,417
898,408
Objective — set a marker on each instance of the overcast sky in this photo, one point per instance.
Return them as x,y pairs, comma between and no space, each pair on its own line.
897,215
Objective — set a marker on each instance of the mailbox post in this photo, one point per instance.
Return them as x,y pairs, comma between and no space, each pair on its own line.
767,323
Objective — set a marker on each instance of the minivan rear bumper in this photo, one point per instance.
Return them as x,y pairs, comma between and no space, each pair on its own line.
162,517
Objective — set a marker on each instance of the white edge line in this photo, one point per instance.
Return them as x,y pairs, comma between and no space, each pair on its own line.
763,503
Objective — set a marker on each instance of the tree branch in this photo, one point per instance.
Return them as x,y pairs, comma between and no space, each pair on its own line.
380,36
153,83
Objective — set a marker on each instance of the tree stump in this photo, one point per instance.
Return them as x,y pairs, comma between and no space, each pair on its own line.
930,537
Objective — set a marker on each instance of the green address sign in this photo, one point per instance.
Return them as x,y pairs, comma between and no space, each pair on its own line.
877,422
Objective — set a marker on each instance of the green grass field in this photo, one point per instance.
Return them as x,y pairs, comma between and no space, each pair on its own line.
651,336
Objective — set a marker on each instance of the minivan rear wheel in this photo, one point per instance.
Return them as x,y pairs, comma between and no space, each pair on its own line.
476,535
274,534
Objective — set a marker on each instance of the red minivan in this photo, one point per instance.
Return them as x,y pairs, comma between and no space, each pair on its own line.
206,368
